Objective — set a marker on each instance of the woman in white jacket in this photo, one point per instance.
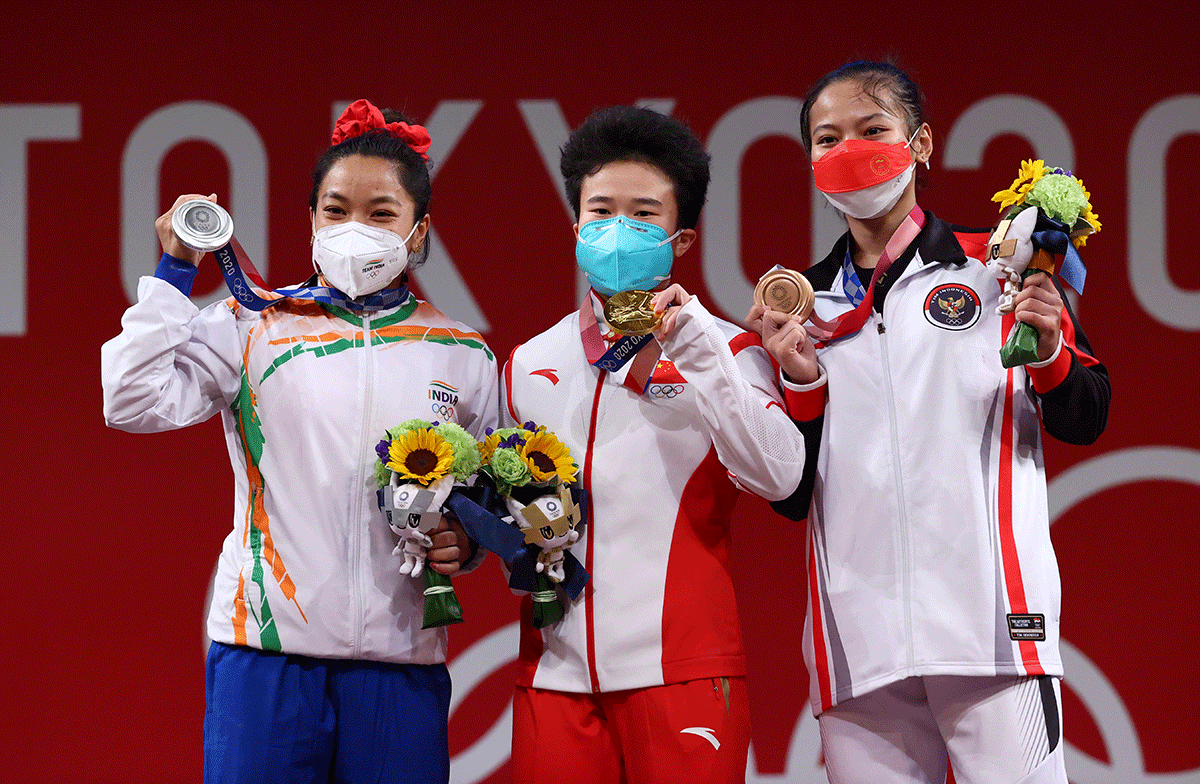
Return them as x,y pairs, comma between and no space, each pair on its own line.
933,620
319,668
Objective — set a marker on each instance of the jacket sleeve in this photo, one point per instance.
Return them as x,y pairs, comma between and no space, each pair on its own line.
1072,387
173,365
806,407
739,402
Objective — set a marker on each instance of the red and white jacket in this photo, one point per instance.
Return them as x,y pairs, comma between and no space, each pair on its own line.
929,541
658,468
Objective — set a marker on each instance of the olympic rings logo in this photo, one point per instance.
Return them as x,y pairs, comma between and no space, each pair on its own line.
445,412
666,390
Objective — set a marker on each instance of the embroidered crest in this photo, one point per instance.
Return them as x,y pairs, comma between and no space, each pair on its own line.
952,306
666,381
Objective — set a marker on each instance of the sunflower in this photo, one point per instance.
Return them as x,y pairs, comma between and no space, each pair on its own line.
548,457
420,455
1091,217
1031,172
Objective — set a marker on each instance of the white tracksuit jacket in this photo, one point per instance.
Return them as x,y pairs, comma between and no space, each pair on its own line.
308,567
660,605
929,543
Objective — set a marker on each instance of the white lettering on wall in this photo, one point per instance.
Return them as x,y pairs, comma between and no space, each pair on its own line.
1000,115
721,241
236,139
19,125
1158,295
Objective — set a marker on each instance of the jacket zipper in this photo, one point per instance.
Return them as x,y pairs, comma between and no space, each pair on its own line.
901,514
356,525
589,611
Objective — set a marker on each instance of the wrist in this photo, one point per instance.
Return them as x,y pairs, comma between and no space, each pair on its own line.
179,273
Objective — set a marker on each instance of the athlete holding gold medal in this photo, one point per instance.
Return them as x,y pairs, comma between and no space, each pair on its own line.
669,411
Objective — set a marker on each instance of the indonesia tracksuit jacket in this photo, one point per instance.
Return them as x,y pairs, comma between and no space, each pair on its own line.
929,540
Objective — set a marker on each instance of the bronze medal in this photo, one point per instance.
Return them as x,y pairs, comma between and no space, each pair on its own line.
630,313
785,290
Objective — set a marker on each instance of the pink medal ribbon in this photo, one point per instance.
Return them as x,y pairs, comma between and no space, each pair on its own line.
612,355
852,321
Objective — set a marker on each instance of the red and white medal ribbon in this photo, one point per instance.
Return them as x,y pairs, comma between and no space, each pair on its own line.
852,321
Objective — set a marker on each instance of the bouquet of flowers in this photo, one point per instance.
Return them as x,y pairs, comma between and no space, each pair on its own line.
418,464
532,471
1047,212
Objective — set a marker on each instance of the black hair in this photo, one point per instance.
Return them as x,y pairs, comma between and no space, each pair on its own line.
634,133
873,78
412,171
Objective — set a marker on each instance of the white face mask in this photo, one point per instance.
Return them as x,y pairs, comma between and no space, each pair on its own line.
873,201
358,259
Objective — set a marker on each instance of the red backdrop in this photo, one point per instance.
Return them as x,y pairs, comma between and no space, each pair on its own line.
107,111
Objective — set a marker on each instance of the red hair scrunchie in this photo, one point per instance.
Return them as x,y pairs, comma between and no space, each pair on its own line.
362,116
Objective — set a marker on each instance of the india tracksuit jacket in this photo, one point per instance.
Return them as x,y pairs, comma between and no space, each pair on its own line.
929,545
305,391
659,468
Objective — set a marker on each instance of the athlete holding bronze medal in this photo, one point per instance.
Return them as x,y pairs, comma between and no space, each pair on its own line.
933,625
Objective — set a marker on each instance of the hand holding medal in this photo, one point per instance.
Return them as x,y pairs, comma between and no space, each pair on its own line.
783,301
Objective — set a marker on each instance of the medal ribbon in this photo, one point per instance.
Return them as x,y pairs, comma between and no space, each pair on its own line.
241,276
823,332
642,349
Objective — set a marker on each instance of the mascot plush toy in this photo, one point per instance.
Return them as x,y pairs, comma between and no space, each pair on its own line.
418,465
1047,213
549,522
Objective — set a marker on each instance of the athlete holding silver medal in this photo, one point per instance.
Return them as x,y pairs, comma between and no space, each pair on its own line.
319,667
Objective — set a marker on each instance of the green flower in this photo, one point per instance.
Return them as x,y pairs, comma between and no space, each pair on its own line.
408,427
510,467
466,450
1059,196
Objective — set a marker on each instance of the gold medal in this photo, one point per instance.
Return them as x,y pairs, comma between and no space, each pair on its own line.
630,313
785,290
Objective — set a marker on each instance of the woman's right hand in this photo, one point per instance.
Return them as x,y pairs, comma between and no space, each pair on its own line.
166,235
784,337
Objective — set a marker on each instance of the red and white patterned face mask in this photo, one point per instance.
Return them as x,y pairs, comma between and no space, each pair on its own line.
863,178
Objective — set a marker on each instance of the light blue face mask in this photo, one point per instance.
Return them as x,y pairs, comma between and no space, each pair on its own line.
622,254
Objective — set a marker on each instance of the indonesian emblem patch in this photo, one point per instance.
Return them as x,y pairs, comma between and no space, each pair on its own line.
952,306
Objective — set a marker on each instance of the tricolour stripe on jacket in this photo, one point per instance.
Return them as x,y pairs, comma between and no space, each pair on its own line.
257,532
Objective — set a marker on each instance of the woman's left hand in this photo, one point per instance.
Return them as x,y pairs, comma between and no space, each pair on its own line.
450,547
670,300
1039,305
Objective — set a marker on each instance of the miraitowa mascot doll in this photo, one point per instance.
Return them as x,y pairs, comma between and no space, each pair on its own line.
1048,213
418,465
